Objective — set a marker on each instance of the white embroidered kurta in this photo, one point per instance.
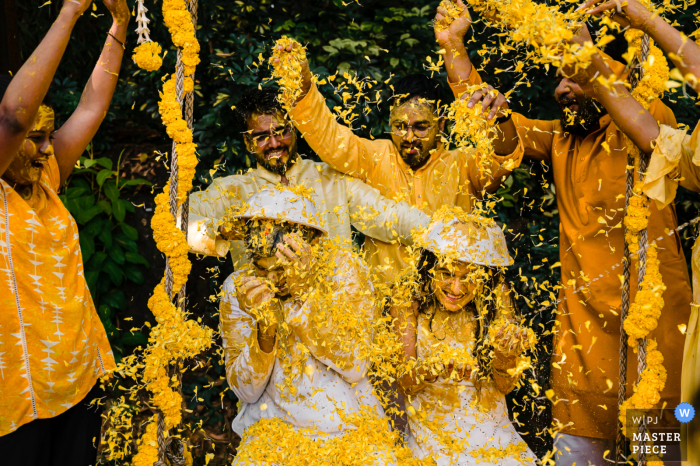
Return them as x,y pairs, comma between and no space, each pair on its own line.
448,423
342,200
325,376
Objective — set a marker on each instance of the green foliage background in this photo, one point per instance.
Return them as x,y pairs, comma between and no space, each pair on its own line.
376,39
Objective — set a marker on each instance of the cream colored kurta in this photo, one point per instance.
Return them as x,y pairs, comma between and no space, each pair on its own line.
590,183
452,423
677,157
448,178
342,200
53,347
324,375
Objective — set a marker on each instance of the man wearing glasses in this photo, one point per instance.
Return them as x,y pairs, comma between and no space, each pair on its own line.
414,165
341,200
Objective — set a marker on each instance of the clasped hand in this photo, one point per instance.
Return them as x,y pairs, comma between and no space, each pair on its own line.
253,293
300,265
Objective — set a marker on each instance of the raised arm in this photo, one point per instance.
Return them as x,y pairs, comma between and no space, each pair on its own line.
638,124
335,144
684,53
28,88
379,217
412,377
73,137
250,351
461,73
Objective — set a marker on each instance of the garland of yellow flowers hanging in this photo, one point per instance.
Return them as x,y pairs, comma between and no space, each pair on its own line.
147,54
174,338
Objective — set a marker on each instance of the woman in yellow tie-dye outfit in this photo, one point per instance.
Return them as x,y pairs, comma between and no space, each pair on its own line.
53,347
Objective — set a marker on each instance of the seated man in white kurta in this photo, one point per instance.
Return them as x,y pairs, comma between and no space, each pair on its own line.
297,329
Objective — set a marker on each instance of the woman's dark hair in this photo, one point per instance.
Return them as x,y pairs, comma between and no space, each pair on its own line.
416,85
254,100
482,352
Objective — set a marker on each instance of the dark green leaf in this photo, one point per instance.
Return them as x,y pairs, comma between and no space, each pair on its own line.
102,176
105,162
136,258
85,215
106,236
116,254
125,242
87,246
106,206
96,261
118,210
135,182
134,339
111,191
133,273
114,271
105,312
91,279
114,299
129,231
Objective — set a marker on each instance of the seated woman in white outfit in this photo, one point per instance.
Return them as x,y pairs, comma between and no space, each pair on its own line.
463,344
297,328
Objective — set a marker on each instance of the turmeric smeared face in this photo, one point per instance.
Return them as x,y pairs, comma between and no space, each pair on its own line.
415,131
271,269
273,141
34,153
456,284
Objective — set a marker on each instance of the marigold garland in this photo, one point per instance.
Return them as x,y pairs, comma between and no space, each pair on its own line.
179,22
643,317
636,217
174,338
655,72
644,313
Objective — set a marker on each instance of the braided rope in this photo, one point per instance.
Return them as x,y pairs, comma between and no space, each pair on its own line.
620,457
174,448
622,382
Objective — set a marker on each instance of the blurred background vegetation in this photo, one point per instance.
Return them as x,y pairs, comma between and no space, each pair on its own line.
111,196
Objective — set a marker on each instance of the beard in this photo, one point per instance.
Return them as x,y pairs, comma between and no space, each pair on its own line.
279,168
584,120
419,158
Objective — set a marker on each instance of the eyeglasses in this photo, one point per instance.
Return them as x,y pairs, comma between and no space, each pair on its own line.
262,139
420,130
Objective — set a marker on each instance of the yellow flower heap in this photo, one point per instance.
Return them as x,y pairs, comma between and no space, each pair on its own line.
453,12
543,28
174,338
286,68
471,127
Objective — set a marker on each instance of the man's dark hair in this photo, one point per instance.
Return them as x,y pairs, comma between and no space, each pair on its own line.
416,85
263,101
262,238
6,79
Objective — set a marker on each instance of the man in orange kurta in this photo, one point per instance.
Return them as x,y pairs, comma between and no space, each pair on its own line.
588,162
445,177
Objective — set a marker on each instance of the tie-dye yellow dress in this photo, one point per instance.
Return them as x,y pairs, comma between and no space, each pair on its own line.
53,346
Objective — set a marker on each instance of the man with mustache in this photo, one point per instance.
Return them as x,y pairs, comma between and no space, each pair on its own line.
587,151
414,165
342,200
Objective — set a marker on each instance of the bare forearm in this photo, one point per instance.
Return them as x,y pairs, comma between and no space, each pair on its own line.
72,139
684,52
266,340
29,86
506,140
628,114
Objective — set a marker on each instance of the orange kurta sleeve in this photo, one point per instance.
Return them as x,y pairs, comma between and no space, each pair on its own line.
336,144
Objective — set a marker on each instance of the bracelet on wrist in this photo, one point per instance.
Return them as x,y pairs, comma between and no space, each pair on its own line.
503,119
123,44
